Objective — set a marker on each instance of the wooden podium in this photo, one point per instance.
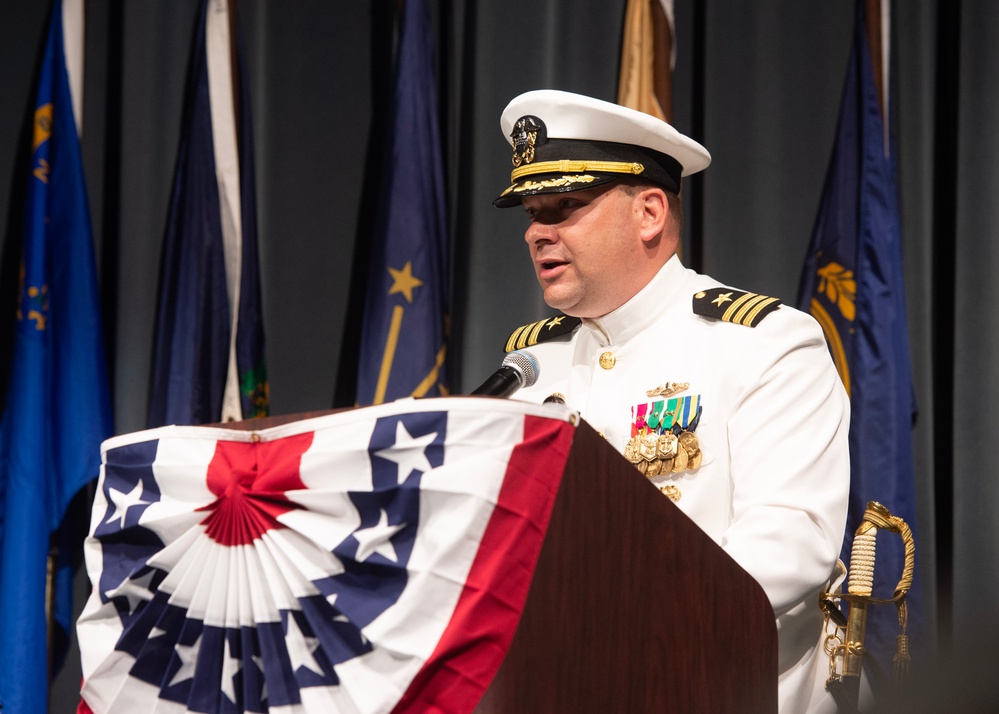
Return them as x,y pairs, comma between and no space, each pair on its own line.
633,608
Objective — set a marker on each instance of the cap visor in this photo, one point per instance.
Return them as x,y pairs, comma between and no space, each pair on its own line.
551,183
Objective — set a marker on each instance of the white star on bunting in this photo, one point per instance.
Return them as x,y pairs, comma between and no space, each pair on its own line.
189,660
136,590
230,668
408,453
377,539
300,647
123,501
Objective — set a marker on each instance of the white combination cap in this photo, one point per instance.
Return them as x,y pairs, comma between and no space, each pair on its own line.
566,142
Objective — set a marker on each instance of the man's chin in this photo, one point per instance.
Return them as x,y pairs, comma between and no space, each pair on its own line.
558,300
567,305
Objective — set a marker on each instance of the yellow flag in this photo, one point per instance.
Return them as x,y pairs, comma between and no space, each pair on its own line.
646,58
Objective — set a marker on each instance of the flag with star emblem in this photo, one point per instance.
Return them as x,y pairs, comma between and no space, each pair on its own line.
403,342
58,408
853,285
208,358
375,560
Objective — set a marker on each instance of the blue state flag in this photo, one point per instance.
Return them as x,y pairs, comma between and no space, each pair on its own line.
208,359
852,283
403,344
57,410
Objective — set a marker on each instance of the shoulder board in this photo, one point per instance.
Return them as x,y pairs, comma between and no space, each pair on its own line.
541,331
736,306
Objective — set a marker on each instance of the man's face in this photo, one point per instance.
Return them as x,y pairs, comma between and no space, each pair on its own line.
586,247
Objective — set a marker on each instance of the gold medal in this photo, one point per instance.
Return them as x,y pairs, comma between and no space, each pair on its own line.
680,461
688,440
647,446
631,450
656,467
666,445
657,454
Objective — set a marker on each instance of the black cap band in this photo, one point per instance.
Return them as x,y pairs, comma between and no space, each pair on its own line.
574,164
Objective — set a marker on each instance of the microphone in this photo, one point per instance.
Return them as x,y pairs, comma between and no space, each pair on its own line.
519,369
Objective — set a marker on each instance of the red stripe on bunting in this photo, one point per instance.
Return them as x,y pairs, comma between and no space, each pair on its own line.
82,707
250,480
487,614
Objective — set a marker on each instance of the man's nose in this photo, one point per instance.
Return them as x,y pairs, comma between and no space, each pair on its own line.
539,232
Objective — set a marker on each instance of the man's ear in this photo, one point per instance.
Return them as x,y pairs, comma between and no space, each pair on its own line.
654,212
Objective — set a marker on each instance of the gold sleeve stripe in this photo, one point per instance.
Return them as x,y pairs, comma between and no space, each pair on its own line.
566,166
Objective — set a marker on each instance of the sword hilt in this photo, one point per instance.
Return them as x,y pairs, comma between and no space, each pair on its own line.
860,593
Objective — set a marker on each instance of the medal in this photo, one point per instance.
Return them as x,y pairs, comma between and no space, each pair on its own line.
667,445
688,440
680,462
662,434
647,446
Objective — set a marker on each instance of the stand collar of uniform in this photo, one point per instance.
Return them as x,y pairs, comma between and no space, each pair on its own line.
643,309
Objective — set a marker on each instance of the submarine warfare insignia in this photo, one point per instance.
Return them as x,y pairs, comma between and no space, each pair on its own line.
668,389
662,438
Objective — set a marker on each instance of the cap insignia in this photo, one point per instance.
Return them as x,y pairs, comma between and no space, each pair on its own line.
528,132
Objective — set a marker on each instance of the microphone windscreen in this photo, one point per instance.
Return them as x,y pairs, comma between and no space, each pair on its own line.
526,363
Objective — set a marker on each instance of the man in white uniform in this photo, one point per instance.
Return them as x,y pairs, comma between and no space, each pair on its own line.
726,400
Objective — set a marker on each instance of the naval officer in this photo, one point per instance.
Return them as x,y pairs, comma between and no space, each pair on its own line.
726,400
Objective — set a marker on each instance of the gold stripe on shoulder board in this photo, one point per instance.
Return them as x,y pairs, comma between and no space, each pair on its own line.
736,306
541,331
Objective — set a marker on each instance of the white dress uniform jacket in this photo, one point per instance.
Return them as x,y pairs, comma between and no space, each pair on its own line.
773,482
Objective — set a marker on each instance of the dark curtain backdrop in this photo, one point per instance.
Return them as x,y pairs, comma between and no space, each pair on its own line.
758,83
